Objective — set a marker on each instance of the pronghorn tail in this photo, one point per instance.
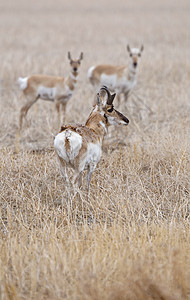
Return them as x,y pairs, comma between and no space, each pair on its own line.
90,70
23,82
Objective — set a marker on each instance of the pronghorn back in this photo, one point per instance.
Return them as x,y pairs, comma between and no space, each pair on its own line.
107,69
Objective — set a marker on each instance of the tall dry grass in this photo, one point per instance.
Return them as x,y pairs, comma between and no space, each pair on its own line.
130,239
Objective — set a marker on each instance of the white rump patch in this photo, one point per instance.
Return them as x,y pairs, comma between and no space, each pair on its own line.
23,82
75,141
90,71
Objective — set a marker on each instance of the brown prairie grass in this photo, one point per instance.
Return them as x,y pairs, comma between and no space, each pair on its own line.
131,238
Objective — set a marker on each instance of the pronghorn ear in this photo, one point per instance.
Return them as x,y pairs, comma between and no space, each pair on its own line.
128,49
142,48
81,56
69,55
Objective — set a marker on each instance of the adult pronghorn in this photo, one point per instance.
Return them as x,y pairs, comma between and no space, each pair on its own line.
80,146
51,88
119,79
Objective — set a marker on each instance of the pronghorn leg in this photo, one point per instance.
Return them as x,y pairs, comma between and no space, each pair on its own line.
77,177
63,169
63,106
24,110
91,169
80,180
57,106
126,96
89,176
64,174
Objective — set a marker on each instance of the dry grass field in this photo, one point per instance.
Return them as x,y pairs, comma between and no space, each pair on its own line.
131,239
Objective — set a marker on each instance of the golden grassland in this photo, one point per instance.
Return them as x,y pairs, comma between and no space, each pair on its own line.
131,238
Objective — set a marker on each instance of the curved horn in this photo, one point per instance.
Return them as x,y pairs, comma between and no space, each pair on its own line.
104,88
110,97
142,48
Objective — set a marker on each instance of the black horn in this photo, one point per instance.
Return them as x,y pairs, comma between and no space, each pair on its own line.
110,97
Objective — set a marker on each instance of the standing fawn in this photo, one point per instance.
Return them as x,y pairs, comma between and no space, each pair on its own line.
119,79
51,88
80,146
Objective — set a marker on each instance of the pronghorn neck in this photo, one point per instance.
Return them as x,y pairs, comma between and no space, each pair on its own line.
98,123
132,72
72,80
73,75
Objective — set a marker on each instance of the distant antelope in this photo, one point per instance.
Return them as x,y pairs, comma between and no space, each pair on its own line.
119,79
51,88
80,146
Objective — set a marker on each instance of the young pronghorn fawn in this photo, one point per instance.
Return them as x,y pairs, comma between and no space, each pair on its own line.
80,146
119,79
51,88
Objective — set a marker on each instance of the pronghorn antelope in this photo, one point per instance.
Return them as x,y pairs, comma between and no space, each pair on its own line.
51,88
80,146
119,79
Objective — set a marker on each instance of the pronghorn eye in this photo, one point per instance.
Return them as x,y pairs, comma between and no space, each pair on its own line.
139,54
130,54
110,110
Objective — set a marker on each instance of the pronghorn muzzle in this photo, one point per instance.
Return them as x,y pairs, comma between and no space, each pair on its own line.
122,117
